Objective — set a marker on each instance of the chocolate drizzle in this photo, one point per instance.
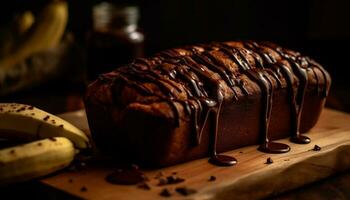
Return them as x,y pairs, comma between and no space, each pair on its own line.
217,159
298,105
266,86
200,79
300,65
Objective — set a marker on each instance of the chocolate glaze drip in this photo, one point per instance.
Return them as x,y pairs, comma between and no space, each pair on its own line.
195,79
266,87
298,105
300,66
217,159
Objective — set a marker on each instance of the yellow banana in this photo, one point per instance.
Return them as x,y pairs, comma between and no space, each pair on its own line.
19,121
45,33
35,159
25,21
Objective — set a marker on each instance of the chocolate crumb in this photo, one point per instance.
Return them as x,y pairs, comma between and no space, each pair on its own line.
32,114
144,186
61,126
241,152
145,178
212,178
170,180
77,166
12,151
317,148
30,107
83,189
46,118
70,180
174,173
165,193
158,175
185,191
134,167
162,181
39,144
1,109
269,160
174,179
72,168
82,165
52,139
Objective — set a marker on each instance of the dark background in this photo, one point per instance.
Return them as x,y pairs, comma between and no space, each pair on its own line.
318,28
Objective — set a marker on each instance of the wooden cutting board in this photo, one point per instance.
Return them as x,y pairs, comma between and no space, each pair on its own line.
251,178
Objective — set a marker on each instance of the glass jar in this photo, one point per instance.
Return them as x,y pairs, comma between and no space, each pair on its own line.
115,39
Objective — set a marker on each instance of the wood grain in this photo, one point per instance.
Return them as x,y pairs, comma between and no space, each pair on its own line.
251,178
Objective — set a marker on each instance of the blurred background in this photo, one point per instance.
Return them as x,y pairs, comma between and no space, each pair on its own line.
78,43
50,50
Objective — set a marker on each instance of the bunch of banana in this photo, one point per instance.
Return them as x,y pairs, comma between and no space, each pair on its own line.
54,149
40,33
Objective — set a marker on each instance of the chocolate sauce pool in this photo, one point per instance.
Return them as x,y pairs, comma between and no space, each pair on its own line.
193,70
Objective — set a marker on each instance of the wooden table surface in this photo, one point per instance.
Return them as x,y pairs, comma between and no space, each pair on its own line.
56,101
250,179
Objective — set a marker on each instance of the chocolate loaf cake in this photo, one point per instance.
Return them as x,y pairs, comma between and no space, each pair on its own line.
197,101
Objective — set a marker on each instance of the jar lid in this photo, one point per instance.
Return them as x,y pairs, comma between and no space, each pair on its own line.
110,15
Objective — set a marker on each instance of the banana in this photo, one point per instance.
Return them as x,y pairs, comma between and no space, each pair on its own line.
45,33
24,21
19,121
35,159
